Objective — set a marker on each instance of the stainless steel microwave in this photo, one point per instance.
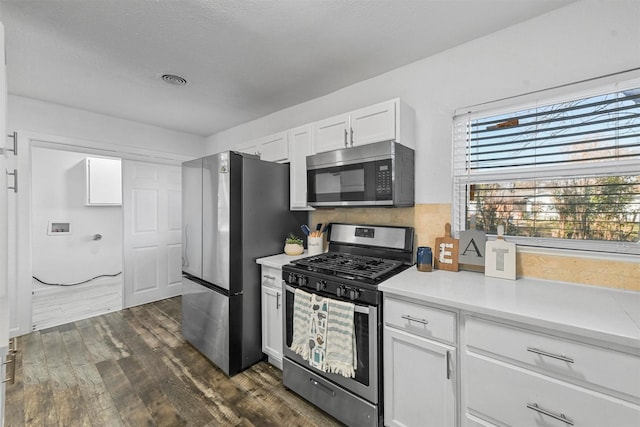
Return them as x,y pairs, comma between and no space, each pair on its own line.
380,174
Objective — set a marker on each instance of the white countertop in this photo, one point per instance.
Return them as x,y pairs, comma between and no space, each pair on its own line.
277,261
592,311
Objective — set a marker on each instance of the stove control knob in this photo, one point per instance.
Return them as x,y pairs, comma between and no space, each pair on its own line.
292,278
321,285
302,280
354,294
341,291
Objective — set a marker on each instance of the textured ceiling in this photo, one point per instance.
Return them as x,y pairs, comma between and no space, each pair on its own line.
243,59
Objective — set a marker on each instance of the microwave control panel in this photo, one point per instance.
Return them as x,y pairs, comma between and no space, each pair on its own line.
384,179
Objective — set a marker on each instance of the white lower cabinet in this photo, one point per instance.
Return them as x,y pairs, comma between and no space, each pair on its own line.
529,377
272,315
7,372
507,394
3,369
420,374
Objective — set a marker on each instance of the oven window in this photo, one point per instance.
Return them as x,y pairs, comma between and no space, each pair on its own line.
361,327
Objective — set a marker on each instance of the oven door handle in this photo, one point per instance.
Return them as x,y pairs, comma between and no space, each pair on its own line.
358,308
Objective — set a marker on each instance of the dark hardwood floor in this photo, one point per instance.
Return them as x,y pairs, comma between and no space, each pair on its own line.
133,368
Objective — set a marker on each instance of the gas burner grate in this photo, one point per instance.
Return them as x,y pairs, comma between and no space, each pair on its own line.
348,264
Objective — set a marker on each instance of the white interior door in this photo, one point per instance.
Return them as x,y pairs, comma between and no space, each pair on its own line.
152,231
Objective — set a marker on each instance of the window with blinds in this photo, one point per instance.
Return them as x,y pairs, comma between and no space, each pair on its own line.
563,175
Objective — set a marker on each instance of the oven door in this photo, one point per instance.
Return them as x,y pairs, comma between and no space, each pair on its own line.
365,383
362,183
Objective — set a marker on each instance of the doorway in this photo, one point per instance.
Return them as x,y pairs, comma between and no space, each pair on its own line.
76,241
151,284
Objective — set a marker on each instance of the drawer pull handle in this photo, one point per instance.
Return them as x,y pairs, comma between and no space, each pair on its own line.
414,319
560,417
323,387
266,276
448,365
552,355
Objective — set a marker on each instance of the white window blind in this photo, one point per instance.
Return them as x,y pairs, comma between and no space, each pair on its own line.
562,174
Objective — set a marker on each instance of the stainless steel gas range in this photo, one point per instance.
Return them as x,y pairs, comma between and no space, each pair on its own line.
359,258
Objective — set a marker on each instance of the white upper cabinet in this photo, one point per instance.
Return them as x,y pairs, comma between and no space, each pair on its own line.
250,147
332,133
272,148
386,121
104,181
300,140
373,124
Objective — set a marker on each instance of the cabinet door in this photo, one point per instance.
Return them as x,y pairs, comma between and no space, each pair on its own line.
249,148
512,395
274,148
299,148
419,381
104,181
3,375
373,124
272,324
331,134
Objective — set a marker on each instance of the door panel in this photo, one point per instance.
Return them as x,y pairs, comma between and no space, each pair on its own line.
152,231
331,133
374,124
145,211
216,200
205,321
145,269
192,215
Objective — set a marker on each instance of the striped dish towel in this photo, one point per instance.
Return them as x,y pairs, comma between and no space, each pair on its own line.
318,331
341,355
301,323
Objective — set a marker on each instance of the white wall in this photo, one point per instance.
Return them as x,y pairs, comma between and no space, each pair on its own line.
58,194
27,114
585,39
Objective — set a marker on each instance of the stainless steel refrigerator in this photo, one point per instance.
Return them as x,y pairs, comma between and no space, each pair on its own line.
235,208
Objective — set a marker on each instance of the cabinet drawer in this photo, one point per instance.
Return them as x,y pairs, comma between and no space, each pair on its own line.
599,366
507,394
271,277
421,320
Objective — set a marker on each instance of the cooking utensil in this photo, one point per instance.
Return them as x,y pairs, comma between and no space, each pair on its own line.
326,227
305,229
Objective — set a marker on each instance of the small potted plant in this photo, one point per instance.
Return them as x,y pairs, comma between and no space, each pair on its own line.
293,245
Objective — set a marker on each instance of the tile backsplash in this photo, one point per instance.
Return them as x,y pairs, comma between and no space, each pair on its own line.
428,221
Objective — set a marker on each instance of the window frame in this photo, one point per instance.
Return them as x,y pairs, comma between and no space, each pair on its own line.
462,176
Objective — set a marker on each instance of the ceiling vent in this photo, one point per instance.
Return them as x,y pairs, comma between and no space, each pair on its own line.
173,79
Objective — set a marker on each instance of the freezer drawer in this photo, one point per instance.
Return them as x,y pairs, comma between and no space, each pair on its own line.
205,322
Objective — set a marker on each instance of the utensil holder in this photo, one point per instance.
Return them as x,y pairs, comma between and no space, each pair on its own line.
315,245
